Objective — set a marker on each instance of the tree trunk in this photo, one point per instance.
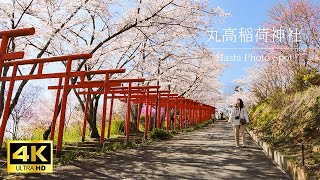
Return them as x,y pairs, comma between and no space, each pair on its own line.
47,133
134,115
93,117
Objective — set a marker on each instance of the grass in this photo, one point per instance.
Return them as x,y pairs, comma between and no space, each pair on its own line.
73,132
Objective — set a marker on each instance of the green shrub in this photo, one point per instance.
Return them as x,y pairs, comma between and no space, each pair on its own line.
197,127
117,125
304,78
262,118
276,99
159,134
174,132
73,132
313,79
208,122
141,124
295,119
190,129
37,133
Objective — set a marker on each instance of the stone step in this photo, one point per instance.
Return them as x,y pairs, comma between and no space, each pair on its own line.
123,140
93,144
62,152
76,148
88,144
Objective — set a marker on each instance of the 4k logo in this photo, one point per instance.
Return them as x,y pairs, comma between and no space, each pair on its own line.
30,156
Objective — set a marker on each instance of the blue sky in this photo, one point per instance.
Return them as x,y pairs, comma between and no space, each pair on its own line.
244,14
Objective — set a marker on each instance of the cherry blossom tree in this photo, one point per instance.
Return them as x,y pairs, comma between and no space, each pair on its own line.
133,34
293,46
23,112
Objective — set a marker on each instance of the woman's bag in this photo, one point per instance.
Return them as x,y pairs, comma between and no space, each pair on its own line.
243,121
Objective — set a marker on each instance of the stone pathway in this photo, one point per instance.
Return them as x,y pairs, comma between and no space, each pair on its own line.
208,153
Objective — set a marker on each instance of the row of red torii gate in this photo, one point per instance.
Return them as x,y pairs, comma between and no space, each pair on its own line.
126,90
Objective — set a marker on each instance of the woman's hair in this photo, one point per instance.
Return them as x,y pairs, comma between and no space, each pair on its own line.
241,105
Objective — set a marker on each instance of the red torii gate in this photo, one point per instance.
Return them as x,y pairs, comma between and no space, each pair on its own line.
4,56
149,99
40,75
84,73
107,84
142,94
188,108
152,100
66,75
137,89
5,36
127,121
139,98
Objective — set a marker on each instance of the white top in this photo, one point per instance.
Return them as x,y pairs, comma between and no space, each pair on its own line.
236,112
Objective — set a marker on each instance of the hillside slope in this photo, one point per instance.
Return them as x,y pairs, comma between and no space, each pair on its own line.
287,120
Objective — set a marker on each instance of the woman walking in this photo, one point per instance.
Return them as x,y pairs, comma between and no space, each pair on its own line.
239,118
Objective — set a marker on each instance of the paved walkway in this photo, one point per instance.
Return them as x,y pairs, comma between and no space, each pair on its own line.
208,153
